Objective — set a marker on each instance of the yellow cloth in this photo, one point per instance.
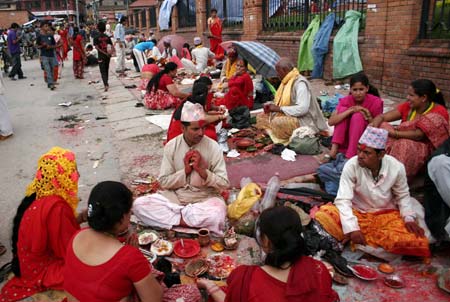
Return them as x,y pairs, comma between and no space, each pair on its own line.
384,229
247,197
283,95
230,69
56,174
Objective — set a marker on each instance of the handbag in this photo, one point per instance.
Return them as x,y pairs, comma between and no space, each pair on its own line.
305,145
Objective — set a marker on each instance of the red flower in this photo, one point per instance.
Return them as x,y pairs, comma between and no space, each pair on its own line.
69,155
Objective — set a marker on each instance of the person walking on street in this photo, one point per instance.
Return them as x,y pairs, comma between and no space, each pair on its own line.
47,44
14,50
6,129
103,44
79,54
119,43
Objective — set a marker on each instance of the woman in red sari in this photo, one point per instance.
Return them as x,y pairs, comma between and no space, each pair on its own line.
64,33
162,92
424,126
215,32
240,88
79,55
287,274
43,226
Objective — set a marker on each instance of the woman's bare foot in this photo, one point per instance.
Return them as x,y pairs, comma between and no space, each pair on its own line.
106,87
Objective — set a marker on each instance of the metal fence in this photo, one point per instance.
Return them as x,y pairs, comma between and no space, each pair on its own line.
231,12
186,13
292,15
435,22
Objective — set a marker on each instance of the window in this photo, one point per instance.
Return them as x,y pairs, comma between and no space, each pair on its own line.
36,4
152,16
48,5
230,11
186,13
435,22
143,18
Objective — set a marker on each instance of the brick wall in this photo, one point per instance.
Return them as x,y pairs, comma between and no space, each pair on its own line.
8,17
391,54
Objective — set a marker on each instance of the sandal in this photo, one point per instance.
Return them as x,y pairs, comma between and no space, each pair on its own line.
2,249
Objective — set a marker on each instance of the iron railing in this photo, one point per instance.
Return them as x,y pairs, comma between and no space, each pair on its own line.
292,15
186,13
231,12
435,22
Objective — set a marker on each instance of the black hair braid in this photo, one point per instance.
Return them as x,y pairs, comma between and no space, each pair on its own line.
24,205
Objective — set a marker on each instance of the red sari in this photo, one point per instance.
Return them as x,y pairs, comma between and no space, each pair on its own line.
161,98
64,33
308,281
215,27
44,234
413,154
78,57
240,92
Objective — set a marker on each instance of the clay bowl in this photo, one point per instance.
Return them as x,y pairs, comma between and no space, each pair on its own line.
244,143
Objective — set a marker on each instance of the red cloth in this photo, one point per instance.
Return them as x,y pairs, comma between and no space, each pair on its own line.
110,281
308,281
240,92
405,108
186,54
214,42
164,82
44,234
77,48
153,68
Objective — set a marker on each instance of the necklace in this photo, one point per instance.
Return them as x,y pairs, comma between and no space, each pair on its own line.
412,115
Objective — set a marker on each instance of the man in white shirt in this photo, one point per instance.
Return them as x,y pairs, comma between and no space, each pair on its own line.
119,43
200,55
373,202
192,176
294,106
168,51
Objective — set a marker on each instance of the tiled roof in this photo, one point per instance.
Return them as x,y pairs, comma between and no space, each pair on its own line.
144,3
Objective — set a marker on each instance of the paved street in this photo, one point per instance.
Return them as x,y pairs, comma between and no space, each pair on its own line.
117,148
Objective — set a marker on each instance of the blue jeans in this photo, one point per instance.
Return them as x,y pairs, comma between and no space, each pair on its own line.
320,45
49,63
330,173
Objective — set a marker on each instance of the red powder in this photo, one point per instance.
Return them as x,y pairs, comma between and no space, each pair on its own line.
365,272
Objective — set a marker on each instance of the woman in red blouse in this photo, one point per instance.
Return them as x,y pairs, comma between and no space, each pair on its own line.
99,268
287,274
240,86
162,92
424,126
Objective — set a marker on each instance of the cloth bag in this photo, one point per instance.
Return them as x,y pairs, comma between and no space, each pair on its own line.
240,117
306,145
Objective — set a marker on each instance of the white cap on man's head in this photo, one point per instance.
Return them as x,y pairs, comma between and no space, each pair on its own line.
197,41
192,112
374,138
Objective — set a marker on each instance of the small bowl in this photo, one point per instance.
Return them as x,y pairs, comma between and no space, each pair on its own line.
147,237
394,281
244,143
364,272
196,267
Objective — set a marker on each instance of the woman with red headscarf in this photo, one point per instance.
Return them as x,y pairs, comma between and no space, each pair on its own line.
43,226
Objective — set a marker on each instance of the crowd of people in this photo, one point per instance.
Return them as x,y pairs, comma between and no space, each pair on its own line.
368,169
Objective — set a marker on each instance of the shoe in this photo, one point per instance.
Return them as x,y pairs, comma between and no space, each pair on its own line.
51,86
2,138
13,78
22,78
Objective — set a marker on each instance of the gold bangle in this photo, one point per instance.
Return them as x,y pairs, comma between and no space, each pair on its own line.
396,133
